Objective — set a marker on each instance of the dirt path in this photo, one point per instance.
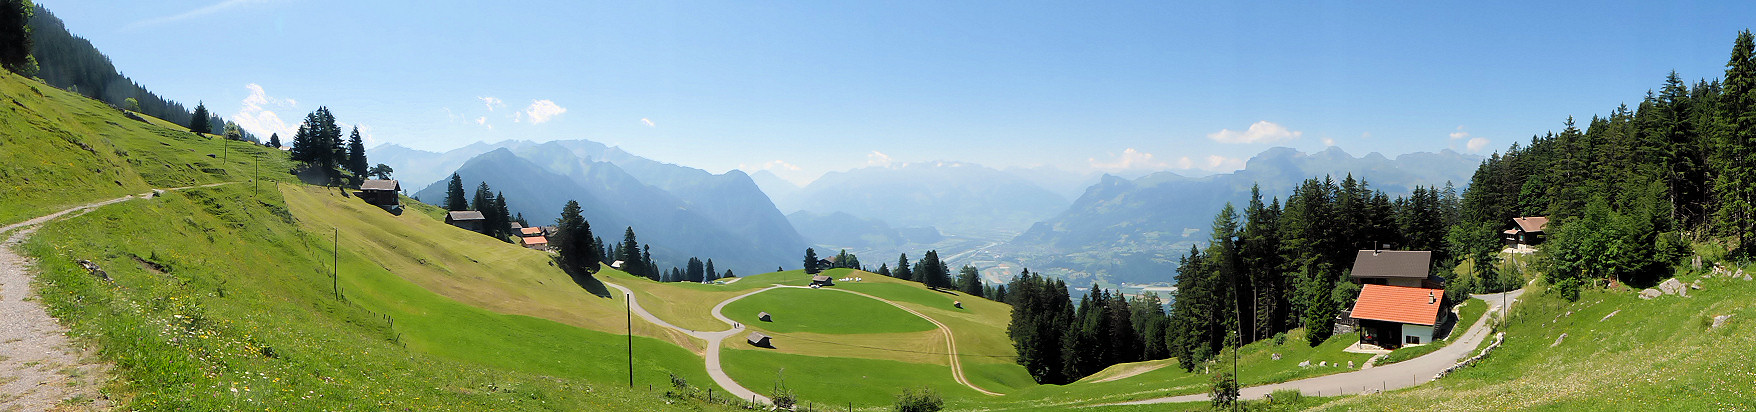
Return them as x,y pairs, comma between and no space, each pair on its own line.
39,368
1394,376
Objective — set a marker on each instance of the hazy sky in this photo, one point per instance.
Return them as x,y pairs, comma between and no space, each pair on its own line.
806,87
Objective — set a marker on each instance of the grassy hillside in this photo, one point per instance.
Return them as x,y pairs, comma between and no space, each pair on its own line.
1657,354
62,149
221,297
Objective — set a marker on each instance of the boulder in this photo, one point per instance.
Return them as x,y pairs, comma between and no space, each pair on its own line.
1720,320
1650,293
1305,364
1350,364
1671,287
1695,285
1323,363
1275,356
1558,340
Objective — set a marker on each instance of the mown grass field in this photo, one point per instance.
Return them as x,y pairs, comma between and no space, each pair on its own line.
824,312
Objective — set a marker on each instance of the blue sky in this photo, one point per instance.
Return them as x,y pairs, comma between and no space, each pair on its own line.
802,88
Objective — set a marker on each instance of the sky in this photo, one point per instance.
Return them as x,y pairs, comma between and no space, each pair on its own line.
803,88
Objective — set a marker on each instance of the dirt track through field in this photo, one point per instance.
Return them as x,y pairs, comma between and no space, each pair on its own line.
40,369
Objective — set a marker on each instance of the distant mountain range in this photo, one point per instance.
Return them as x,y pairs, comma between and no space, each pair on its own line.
1123,230
682,212
956,198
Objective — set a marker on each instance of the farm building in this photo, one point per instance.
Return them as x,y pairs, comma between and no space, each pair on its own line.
1391,316
467,219
1525,231
765,317
515,226
760,340
380,192
530,232
535,242
822,280
1395,268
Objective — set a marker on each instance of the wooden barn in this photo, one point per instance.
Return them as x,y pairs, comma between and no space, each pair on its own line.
765,317
760,340
822,280
467,219
381,192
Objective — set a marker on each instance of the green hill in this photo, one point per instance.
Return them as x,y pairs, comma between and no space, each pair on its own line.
221,297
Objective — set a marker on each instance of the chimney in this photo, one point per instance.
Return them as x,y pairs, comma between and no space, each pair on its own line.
1432,299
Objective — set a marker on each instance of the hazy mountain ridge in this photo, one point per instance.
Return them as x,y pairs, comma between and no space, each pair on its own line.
954,197
1123,230
689,213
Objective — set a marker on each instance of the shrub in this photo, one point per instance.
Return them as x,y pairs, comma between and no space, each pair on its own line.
1568,289
1286,397
1224,389
923,400
1280,338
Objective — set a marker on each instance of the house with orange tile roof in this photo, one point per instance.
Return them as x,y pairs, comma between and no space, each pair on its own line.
1391,316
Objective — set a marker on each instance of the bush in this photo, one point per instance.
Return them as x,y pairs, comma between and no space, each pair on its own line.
1568,289
1280,338
1286,397
924,400
1224,389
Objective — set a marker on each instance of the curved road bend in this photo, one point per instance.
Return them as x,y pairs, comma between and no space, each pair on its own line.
1394,376
713,340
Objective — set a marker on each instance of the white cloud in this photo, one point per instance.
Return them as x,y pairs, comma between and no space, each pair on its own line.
1476,144
1130,159
1328,142
542,110
204,11
491,102
1459,134
1259,132
258,117
877,158
1185,163
484,122
1219,163
647,122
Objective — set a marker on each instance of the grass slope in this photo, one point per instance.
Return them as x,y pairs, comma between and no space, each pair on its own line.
1654,354
823,311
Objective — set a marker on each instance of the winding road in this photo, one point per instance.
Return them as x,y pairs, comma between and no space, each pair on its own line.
715,338
1398,375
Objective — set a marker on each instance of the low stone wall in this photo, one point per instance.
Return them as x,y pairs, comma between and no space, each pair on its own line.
1498,337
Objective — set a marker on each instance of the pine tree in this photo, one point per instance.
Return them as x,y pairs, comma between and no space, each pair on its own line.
811,261
630,248
1737,180
15,36
711,274
503,217
199,122
969,281
454,200
573,239
274,140
356,161
902,271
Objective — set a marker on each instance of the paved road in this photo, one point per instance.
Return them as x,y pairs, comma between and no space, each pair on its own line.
38,366
1394,376
713,341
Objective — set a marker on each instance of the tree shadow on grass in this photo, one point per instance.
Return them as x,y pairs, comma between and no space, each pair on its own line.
587,281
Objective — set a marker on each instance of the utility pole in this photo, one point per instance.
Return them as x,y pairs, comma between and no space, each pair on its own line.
334,275
628,307
256,182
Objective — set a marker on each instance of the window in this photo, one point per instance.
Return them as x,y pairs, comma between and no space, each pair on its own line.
1411,339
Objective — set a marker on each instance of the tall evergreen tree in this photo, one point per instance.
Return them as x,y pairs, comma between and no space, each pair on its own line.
969,280
573,240
274,140
454,197
902,271
199,123
356,155
15,36
1736,182
811,261
631,261
710,273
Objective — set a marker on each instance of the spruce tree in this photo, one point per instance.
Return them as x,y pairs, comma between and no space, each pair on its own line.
199,122
274,140
902,271
356,161
454,197
711,275
811,261
969,281
15,36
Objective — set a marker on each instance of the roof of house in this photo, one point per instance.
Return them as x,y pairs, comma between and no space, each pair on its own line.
536,240
757,336
1392,264
531,231
378,184
1531,224
762,315
820,278
1419,306
465,215
514,225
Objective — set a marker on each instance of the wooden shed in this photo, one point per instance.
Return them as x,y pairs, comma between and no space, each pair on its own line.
760,340
380,192
765,317
467,219
822,280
